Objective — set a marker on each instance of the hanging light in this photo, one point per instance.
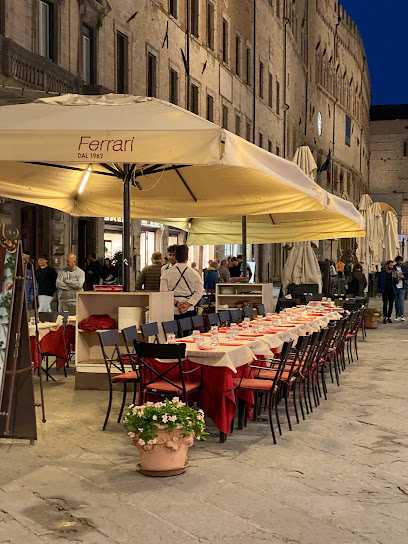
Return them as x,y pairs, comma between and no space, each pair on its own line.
85,180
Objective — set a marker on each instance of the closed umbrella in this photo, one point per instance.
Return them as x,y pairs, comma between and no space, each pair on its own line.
377,239
391,239
364,249
301,267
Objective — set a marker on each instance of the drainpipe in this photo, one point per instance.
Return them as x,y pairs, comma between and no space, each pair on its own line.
188,22
285,105
254,80
307,65
335,102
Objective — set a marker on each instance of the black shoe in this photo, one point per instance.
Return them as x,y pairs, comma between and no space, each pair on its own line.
389,320
385,320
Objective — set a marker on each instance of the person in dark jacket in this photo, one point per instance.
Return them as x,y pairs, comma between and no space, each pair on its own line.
386,290
31,290
92,272
108,273
211,277
149,277
400,277
358,281
46,277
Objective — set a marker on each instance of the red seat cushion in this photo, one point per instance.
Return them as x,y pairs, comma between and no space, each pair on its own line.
126,377
248,383
270,374
177,389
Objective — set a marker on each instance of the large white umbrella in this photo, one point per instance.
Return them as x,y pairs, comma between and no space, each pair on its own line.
301,267
364,249
391,239
377,239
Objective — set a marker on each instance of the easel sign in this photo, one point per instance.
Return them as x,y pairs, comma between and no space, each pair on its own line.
17,405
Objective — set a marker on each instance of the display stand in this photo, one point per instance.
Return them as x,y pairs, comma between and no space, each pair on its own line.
227,295
17,405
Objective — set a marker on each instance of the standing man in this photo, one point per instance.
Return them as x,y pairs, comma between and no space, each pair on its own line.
70,281
225,276
46,277
29,287
385,288
93,271
149,277
171,253
400,275
184,282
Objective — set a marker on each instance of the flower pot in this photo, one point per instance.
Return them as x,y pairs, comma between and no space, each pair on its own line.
371,322
167,456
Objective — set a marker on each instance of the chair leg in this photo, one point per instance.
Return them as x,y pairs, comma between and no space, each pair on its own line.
123,402
324,383
277,416
300,401
305,396
223,437
65,370
318,383
330,368
46,368
294,402
287,392
308,394
109,403
355,346
241,404
271,402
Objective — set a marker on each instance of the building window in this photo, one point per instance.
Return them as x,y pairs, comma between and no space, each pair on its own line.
238,55
277,98
248,66
278,150
173,8
88,55
270,90
348,131
194,18
238,125
174,86
210,108
225,114
151,74
278,8
260,139
225,41
194,99
261,79
210,26
270,147
248,131
46,29
121,63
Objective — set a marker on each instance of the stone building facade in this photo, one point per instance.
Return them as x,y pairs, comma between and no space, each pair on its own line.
389,159
280,73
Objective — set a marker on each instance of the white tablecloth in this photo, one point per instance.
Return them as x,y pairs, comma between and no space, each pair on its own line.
45,328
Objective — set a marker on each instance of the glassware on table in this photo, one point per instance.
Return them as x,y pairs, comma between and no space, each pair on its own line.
171,338
32,321
214,340
199,341
229,335
284,320
234,329
255,328
269,316
214,329
259,319
195,334
245,324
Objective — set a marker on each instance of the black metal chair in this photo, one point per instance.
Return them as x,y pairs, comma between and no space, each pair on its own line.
170,327
198,322
261,309
248,311
149,330
213,319
130,336
185,326
225,317
109,341
309,298
49,317
170,381
236,315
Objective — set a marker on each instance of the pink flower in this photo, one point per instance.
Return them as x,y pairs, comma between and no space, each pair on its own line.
173,418
148,403
132,435
140,430
141,442
131,405
176,399
153,441
154,418
165,418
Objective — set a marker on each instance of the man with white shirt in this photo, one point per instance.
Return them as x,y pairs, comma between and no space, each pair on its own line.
184,282
400,275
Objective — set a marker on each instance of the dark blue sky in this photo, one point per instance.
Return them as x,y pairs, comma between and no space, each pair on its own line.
383,27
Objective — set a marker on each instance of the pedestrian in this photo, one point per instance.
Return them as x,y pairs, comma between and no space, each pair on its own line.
235,268
358,281
30,285
340,268
109,273
185,283
149,277
69,282
400,275
46,277
92,272
386,289
211,277
225,276
171,257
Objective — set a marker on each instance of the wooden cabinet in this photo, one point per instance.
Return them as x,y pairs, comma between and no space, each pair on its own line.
229,294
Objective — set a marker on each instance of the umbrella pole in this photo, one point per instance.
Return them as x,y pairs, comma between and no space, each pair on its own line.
126,228
244,245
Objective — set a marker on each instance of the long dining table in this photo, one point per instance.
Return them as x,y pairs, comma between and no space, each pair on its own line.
220,364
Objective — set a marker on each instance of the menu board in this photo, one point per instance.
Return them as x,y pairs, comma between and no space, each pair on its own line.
7,265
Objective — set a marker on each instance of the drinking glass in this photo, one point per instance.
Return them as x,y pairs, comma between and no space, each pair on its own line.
255,328
284,320
195,334
214,340
269,316
229,335
259,318
234,330
214,329
171,338
199,341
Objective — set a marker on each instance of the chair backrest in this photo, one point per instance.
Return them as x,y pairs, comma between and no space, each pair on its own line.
198,322
64,317
205,302
260,309
303,288
149,330
170,327
288,303
248,311
185,326
50,317
225,317
236,315
316,296
129,335
109,341
150,374
213,319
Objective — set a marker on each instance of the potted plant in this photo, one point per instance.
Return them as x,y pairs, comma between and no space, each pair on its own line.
163,432
371,318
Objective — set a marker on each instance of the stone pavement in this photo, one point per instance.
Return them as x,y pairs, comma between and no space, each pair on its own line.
341,477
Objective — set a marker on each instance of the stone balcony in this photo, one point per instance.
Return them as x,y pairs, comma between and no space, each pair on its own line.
22,68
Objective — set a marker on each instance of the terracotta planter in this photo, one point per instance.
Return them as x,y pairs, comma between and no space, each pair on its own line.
371,322
168,456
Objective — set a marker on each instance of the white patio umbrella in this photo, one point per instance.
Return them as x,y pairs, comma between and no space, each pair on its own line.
377,240
107,155
301,267
391,239
364,249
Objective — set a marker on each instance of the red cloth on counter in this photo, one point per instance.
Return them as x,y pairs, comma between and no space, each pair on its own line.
97,322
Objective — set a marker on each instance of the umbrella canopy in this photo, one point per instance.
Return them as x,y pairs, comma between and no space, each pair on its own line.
391,239
339,219
303,157
377,239
180,164
364,249
301,267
